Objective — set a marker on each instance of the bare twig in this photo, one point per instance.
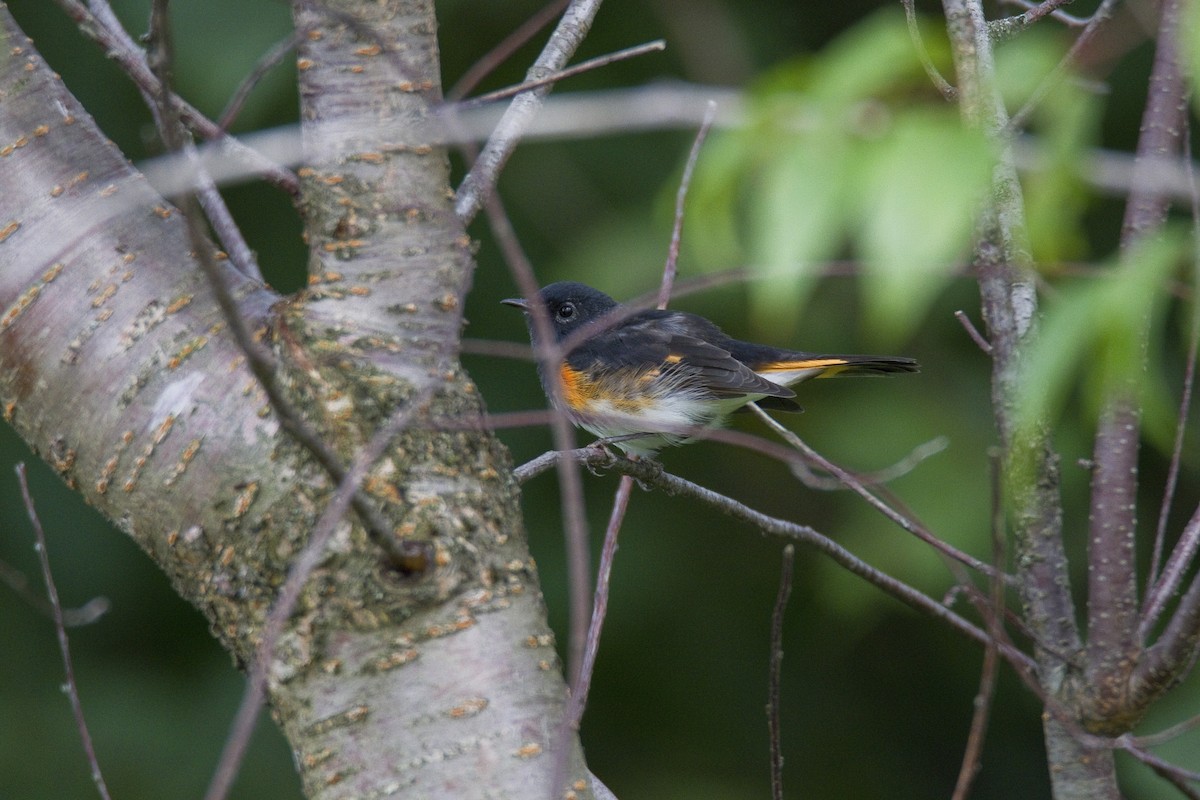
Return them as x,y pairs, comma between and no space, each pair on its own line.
905,522
548,354
1177,776
481,180
876,477
507,46
914,31
656,46
1035,12
973,754
269,60
104,29
577,702
973,332
775,674
671,267
650,473
86,614
60,630
1102,14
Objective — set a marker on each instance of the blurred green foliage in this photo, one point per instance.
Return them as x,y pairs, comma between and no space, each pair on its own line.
849,153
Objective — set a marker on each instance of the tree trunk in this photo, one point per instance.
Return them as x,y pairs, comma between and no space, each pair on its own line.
117,367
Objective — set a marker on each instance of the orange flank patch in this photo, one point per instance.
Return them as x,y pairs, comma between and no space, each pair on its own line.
576,388
614,392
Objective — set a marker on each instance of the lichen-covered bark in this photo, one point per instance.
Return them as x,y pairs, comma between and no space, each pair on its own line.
116,366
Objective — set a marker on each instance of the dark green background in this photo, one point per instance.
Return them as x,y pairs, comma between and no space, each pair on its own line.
876,699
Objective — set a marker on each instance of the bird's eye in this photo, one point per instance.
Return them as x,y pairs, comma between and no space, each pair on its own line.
566,311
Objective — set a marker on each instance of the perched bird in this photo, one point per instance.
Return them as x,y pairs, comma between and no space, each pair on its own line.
669,374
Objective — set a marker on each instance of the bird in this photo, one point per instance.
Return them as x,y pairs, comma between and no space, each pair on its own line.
656,378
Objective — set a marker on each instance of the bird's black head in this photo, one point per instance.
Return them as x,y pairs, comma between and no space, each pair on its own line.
569,306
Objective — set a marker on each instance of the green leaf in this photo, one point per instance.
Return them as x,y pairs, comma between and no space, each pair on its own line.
922,188
1098,328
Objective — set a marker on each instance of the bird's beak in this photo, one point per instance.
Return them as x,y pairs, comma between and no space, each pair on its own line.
517,302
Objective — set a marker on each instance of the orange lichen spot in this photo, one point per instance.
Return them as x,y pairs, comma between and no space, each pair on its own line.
23,302
227,554
330,276
187,350
371,157
396,659
468,708
178,303
303,64
29,66
162,212
447,302
10,411
52,271
57,190
360,291
244,499
104,296
41,130
544,665
315,35
163,429
369,50
357,69
109,191
172,538
333,180
313,759
9,229
531,750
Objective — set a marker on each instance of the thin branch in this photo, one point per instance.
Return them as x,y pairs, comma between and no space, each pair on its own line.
64,646
1102,14
656,46
501,52
973,753
481,180
1177,776
650,473
548,354
577,702
103,28
775,673
670,268
905,522
269,60
914,32
1164,736
1035,12
86,614
977,337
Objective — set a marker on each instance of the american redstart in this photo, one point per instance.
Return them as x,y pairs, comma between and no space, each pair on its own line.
669,374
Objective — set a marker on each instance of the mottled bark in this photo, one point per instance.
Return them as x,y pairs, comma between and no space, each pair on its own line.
117,367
